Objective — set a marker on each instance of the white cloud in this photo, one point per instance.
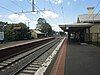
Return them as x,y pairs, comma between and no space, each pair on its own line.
55,27
56,1
15,18
50,14
18,18
32,24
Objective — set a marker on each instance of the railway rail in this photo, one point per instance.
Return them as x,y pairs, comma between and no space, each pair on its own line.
27,63
10,51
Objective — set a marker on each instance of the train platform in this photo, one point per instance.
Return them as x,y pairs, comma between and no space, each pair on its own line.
16,43
82,59
58,68
7,44
77,59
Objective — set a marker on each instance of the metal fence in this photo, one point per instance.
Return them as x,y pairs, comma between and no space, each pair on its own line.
93,38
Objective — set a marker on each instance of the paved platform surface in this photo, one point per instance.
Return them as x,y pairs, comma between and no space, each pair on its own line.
58,68
7,44
82,60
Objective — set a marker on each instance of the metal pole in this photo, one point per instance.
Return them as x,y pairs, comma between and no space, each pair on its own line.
33,6
97,40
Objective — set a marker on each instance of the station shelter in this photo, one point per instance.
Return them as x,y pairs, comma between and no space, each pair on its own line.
77,31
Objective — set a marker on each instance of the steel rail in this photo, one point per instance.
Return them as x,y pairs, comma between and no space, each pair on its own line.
36,64
18,64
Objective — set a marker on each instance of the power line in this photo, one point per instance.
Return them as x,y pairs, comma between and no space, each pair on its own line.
94,10
28,2
53,8
28,11
16,4
38,9
32,4
97,13
7,9
62,8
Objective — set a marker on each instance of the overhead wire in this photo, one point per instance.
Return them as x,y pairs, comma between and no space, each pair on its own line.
53,8
97,13
6,9
62,8
94,11
49,10
39,10
17,4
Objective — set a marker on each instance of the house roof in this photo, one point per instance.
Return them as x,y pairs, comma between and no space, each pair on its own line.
89,18
37,31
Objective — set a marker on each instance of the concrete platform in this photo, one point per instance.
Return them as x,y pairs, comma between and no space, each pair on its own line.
16,43
7,44
82,60
58,67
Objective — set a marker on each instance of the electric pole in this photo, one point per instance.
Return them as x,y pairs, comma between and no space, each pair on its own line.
33,6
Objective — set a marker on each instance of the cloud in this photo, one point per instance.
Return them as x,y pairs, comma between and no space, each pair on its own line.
15,18
56,1
18,18
55,27
50,14
32,24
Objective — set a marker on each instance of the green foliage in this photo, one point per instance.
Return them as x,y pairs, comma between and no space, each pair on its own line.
62,33
44,27
15,32
9,33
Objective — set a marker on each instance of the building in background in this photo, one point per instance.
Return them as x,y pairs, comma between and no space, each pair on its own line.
86,29
93,19
37,34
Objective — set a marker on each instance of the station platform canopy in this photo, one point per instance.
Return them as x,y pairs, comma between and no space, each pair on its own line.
75,26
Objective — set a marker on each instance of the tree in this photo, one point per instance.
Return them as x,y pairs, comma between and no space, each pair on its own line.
44,27
9,32
40,22
62,33
21,31
15,32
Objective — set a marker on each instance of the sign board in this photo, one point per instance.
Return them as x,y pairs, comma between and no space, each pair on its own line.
1,35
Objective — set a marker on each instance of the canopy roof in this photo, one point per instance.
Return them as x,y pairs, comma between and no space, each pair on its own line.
75,26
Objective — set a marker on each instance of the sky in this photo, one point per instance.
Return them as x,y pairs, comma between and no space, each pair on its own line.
56,12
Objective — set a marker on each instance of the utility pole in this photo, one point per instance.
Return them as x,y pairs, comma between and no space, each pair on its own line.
33,6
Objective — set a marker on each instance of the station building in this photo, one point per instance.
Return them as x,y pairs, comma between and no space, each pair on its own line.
86,29
37,34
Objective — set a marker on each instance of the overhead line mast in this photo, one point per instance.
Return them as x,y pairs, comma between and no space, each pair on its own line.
33,6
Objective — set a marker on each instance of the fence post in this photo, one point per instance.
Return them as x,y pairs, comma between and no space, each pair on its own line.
97,39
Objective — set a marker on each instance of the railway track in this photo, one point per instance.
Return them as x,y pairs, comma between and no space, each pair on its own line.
10,51
27,63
